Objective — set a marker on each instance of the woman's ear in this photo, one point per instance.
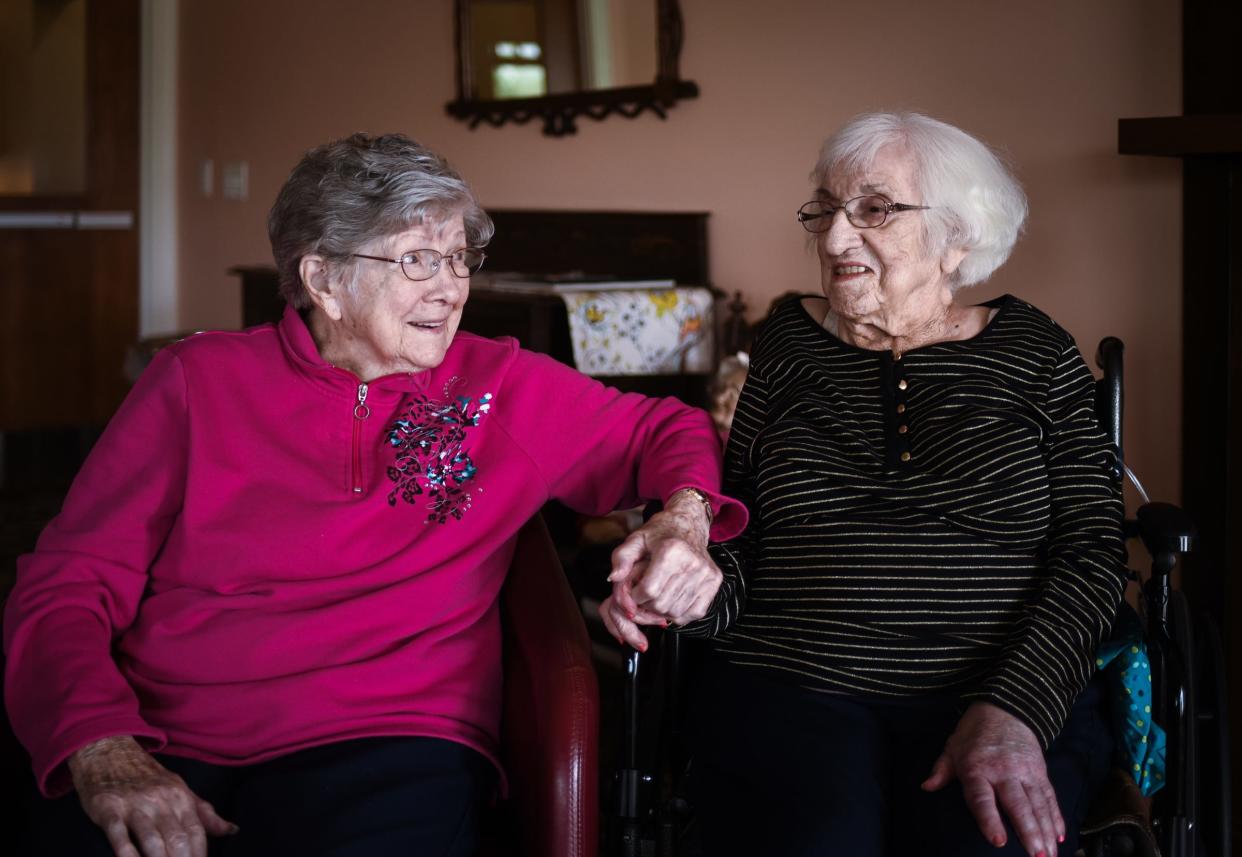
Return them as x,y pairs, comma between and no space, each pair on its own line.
324,289
951,260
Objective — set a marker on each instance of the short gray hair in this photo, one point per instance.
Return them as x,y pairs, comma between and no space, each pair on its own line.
344,194
977,204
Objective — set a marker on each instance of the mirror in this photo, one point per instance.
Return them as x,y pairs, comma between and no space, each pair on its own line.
533,48
560,59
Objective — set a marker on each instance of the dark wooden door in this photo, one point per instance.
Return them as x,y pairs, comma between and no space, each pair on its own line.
69,257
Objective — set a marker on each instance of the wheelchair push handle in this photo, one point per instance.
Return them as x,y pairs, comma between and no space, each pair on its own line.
1165,529
1109,357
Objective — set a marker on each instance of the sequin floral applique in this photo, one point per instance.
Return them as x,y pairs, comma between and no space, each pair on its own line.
431,457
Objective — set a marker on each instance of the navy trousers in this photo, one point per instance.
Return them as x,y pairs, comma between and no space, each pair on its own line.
372,797
785,772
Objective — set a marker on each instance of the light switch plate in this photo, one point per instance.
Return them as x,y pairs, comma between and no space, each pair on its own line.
235,180
207,178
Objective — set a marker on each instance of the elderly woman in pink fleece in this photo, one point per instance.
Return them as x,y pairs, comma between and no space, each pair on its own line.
268,610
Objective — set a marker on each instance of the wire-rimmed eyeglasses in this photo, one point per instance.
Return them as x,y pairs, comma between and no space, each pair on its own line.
419,265
864,212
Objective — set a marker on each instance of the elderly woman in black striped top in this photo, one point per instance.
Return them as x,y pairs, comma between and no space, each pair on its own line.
935,542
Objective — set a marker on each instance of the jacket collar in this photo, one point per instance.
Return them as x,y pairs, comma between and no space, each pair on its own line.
303,354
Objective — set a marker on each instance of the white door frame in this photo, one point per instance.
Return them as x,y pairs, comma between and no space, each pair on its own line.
157,220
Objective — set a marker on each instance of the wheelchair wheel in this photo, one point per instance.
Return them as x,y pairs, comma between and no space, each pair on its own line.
1184,634
1214,822
1175,808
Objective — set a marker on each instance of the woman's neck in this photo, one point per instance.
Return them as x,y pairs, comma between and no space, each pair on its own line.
336,347
955,323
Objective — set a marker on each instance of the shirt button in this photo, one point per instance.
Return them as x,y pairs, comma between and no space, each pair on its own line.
902,429
905,456
901,409
901,385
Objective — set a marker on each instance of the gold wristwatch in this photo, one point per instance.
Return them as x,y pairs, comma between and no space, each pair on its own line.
707,504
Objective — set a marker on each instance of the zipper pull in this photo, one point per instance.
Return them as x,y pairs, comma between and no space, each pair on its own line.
361,412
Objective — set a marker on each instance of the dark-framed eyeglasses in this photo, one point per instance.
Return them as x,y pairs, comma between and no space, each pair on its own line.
864,212
419,265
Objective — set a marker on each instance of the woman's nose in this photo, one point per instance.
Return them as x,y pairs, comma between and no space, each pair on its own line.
445,287
841,235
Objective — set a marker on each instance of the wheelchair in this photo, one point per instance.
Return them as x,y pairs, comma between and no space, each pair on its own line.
649,815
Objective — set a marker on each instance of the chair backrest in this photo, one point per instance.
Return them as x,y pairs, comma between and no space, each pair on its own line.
550,730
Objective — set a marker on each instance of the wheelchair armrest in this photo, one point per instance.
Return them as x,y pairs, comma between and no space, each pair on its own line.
1165,529
551,705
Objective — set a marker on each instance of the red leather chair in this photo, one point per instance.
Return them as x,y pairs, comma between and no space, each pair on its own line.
550,731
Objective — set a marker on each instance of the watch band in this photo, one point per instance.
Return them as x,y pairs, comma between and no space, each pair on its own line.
707,503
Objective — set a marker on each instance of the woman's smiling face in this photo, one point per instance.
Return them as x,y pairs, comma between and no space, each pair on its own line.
888,271
391,324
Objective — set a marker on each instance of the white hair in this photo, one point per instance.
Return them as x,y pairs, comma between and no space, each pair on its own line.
347,193
977,204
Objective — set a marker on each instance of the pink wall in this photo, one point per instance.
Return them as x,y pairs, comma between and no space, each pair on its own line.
1046,82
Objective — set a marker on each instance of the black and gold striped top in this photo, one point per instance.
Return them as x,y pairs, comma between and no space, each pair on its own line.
942,521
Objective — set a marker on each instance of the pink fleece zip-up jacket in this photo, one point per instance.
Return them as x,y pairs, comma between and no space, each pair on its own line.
263,554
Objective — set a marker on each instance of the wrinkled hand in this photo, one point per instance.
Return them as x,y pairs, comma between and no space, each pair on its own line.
135,799
661,574
997,757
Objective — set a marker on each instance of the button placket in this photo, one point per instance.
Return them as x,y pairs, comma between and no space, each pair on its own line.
894,399
901,398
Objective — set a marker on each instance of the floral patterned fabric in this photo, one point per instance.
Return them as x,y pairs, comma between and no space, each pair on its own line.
642,331
431,456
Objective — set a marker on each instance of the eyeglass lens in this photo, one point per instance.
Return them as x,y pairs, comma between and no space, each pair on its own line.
425,264
865,212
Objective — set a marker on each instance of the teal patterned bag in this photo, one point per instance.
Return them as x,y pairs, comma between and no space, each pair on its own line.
1140,742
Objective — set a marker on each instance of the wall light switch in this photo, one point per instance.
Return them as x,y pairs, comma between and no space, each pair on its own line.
235,180
207,178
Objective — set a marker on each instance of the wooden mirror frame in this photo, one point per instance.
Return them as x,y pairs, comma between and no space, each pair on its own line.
560,112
